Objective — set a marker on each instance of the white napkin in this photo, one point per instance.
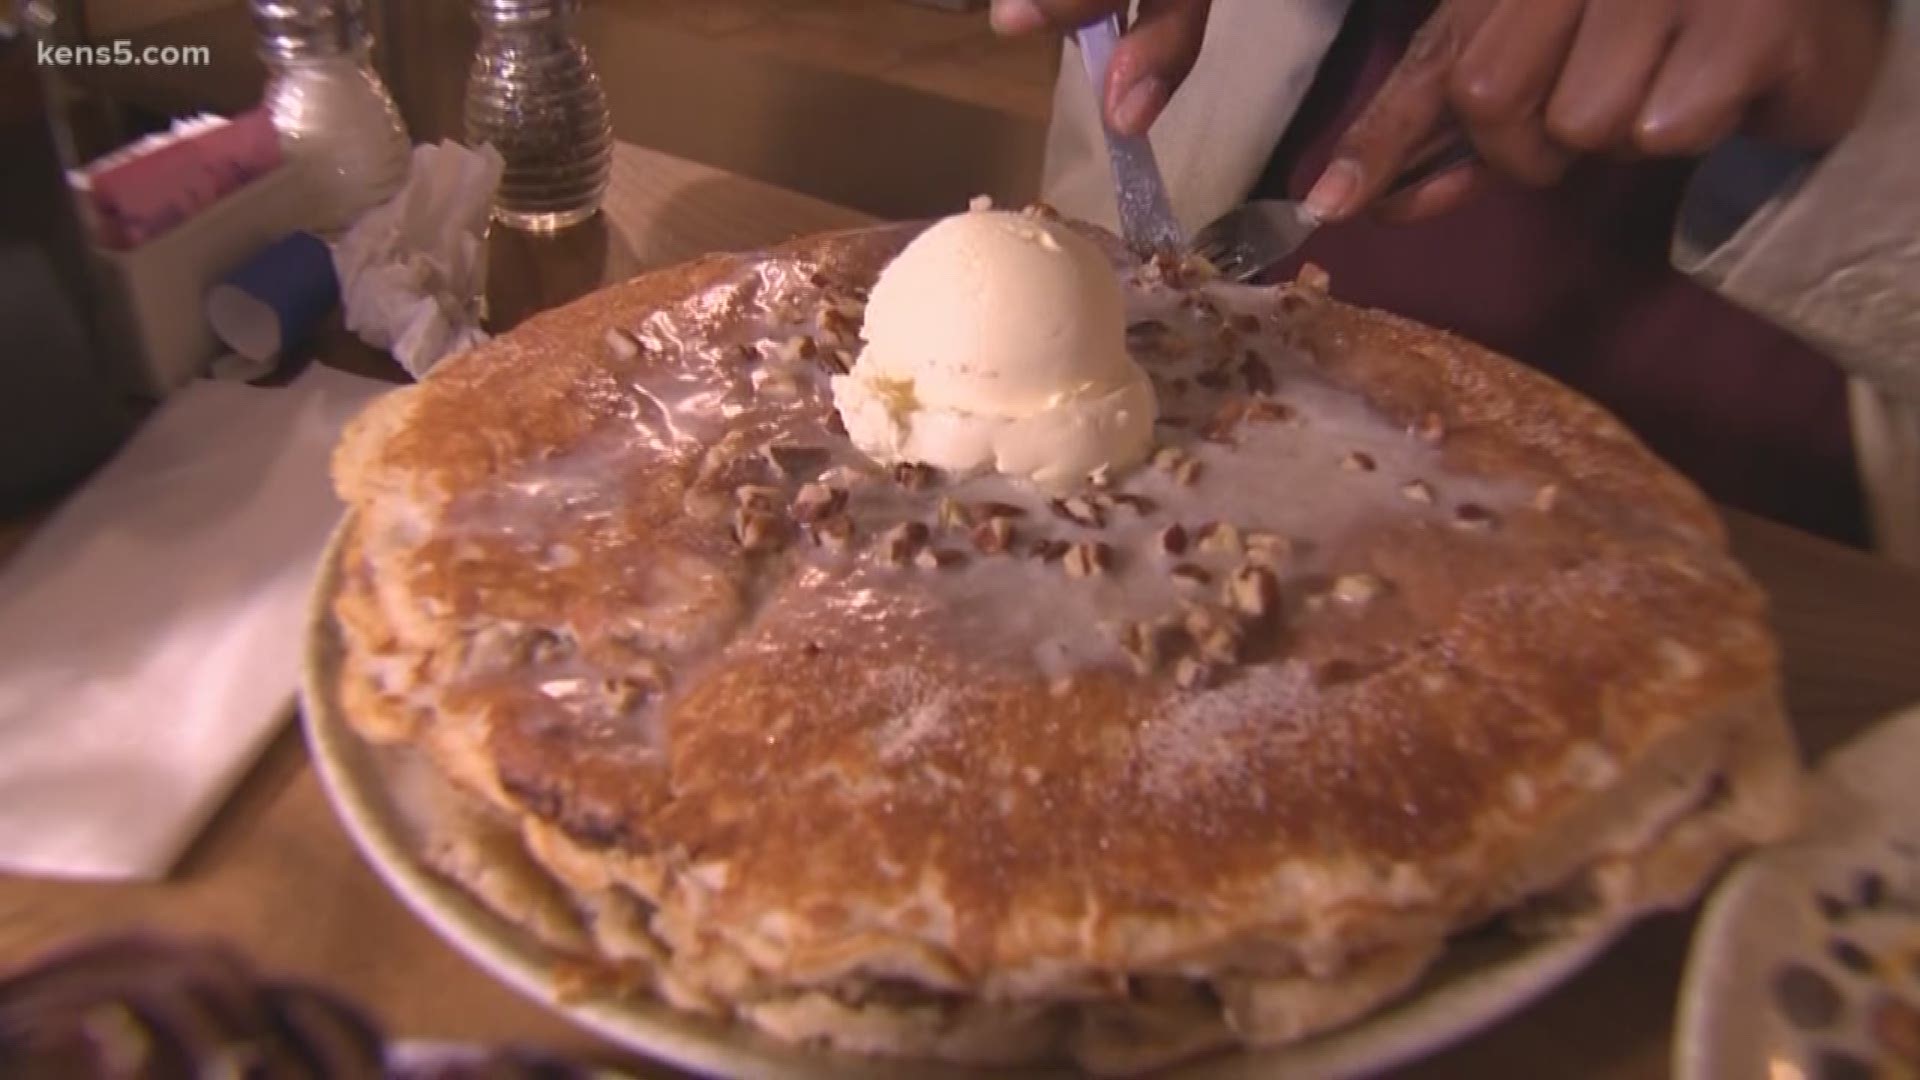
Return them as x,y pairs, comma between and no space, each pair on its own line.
413,270
150,633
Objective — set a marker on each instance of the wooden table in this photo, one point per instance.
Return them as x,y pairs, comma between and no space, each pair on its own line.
276,874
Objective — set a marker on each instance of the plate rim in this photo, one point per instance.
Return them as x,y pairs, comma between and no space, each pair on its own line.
1421,1023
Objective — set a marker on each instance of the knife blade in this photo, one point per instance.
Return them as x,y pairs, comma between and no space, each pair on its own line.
1146,213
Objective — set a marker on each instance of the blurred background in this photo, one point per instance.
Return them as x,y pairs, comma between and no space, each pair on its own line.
794,92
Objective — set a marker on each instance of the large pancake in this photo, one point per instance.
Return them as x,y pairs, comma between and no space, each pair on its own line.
1442,638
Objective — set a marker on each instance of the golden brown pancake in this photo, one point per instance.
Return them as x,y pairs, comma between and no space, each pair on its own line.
1392,636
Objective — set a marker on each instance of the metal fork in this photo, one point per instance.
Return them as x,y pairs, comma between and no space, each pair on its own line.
1251,239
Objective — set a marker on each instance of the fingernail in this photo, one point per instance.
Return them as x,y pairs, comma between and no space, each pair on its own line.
1016,16
1334,190
1653,133
1139,104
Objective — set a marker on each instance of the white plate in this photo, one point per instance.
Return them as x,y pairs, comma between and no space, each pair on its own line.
1481,979
1826,929
416,1058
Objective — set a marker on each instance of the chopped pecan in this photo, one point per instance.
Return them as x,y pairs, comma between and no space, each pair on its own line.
1087,558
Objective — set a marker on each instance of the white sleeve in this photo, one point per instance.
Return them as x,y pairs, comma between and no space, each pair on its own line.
1221,127
1827,248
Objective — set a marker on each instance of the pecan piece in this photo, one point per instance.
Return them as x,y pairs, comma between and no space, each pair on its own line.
1431,429
953,514
1087,558
899,544
1254,591
932,558
1082,512
914,475
1473,516
834,323
1221,538
1216,636
758,497
834,533
1151,645
1048,551
1357,589
1268,549
1266,411
756,530
1190,578
797,462
815,502
1193,673
993,536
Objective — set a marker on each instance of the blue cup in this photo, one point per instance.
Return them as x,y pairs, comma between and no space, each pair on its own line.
270,307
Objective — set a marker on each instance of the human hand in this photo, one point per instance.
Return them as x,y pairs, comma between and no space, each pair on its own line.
1154,57
1536,83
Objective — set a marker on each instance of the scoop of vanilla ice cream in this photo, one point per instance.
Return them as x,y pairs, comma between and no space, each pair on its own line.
998,341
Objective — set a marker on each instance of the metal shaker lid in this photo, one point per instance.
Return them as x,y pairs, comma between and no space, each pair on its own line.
509,13
309,29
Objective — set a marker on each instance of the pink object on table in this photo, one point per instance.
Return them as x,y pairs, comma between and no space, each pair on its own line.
151,187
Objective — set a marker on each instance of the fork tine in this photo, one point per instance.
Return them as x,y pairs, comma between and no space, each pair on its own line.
1230,240
1244,266
1219,232
1213,253
1235,257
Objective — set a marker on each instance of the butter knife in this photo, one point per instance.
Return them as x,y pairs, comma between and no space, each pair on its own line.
1146,214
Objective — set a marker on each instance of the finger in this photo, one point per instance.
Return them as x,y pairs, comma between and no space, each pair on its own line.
1725,58
1398,121
1440,195
1500,85
1508,63
1607,76
1152,61
1030,16
1832,71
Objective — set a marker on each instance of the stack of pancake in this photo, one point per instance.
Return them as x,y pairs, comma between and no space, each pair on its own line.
1389,640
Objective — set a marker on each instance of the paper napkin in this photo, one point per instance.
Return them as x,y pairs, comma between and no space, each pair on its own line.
413,270
150,633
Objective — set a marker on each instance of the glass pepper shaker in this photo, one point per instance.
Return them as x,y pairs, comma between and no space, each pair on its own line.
336,120
534,96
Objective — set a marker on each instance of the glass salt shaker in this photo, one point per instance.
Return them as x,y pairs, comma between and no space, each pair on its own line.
337,122
534,96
